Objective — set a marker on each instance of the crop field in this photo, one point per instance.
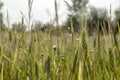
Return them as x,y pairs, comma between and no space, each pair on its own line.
41,56
88,49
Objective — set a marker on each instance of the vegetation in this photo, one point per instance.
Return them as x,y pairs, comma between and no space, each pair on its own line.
77,9
1,16
41,54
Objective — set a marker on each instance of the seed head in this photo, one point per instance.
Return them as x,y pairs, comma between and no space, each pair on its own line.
77,39
54,47
42,54
68,28
91,51
62,57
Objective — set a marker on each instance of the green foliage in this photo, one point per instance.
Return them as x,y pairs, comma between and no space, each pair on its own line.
117,14
76,25
1,4
98,19
2,27
116,21
90,58
76,6
19,27
77,10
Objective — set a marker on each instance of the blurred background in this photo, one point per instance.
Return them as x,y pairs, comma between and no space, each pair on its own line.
43,10
60,13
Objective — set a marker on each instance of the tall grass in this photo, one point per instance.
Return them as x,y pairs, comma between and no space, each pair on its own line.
37,56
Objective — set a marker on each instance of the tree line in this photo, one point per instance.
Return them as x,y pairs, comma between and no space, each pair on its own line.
79,13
